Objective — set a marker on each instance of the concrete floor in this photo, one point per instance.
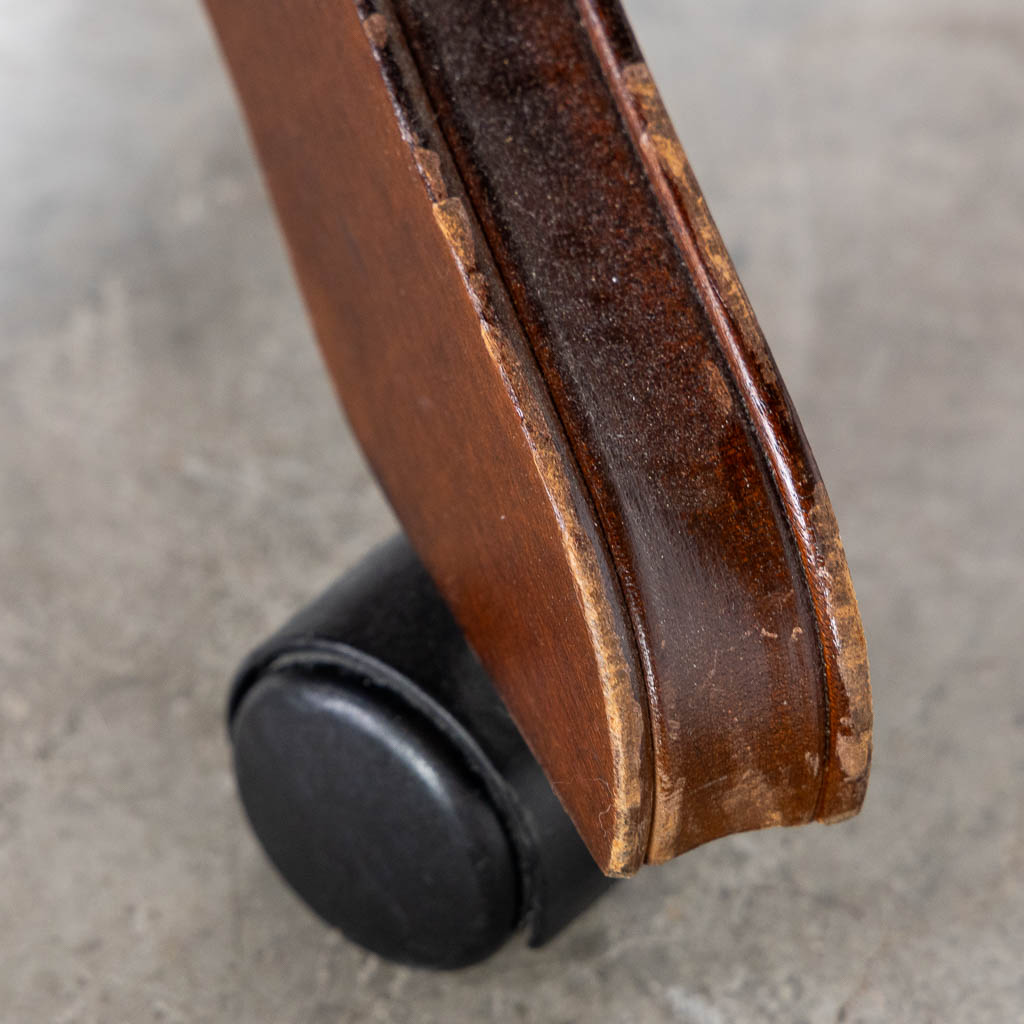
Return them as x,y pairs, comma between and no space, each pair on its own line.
175,478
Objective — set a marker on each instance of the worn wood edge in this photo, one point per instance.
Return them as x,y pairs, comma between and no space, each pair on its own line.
628,820
847,742
688,747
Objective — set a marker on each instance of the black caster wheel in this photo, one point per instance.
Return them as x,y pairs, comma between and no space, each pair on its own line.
387,783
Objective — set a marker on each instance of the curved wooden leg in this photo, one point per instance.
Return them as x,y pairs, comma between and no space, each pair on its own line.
545,352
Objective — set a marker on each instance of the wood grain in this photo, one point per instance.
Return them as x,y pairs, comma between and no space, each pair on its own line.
546,353
443,393
807,508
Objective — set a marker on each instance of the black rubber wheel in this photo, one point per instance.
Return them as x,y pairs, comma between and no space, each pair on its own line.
388,784
375,819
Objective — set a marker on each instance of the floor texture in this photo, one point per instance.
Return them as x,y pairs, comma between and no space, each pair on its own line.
174,478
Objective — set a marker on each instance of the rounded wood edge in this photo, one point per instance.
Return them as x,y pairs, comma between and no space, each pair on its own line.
847,742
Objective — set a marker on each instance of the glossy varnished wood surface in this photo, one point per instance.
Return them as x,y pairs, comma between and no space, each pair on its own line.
713,510
443,393
807,511
544,350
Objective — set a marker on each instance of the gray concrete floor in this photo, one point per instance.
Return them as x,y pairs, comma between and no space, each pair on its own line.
175,478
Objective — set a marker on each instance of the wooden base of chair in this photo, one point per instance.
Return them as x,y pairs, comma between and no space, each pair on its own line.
543,348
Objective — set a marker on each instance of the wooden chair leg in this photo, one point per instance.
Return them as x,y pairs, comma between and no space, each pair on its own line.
545,352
